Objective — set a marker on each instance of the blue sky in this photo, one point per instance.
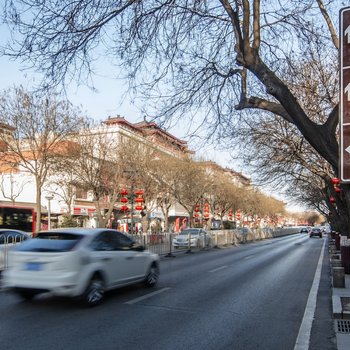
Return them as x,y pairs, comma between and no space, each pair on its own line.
98,105
105,100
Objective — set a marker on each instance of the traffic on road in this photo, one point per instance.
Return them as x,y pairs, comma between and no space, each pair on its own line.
251,296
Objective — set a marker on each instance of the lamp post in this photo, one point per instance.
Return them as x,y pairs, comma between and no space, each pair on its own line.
132,197
135,197
49,198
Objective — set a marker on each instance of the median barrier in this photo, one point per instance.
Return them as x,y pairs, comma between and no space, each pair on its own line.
338,277
345,258
337,241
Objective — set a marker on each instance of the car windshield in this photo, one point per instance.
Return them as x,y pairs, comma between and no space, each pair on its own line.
189,232
51,242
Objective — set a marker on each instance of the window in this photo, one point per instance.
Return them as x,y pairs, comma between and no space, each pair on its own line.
51,243
81,193
102,242
111,240
122,242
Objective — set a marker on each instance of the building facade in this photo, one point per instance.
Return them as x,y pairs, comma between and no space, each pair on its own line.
18,185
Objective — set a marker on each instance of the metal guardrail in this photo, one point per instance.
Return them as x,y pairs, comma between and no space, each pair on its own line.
6,242
161,243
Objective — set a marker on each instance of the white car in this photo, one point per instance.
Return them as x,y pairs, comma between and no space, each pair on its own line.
192,237
77,262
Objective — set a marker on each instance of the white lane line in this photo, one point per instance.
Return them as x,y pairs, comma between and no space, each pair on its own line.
303,339
134,301
248,257
218,268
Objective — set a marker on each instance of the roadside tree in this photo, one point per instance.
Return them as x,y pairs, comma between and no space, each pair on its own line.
138,166
190,185
36,125
216,58
225,196
92,165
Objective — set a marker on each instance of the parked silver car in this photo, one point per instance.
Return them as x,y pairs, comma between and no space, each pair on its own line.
192,237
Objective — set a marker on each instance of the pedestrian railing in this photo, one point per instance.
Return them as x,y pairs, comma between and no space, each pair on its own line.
162,243
6,243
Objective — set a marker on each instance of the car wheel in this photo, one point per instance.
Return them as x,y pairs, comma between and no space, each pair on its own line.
152,276
94,292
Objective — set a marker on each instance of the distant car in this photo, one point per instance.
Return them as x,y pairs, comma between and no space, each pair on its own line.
315,231
192,237
77,262
8,238
304,230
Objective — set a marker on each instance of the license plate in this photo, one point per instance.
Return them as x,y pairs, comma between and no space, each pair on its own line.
33,266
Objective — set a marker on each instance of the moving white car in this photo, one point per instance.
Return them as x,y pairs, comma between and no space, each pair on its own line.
192,237
77,262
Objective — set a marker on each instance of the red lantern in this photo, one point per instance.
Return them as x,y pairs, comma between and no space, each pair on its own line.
139,192
124,208
332,199
206,215
196,215
337,189
138,207
335,181
123,192
123,200
196,209
139,200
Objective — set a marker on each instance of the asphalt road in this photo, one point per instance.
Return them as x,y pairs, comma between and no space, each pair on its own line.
248,297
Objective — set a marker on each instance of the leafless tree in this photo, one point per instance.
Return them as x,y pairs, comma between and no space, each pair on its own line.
190,185
164,173
61,184
11,187
38,125
217,59
93,162
138,159
223,195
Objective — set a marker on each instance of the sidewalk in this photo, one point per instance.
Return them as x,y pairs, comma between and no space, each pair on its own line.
341,314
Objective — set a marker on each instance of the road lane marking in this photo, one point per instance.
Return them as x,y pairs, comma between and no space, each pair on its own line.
303,339
248,257
218,268
136,300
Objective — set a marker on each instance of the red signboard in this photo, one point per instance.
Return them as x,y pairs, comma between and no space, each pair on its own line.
344,94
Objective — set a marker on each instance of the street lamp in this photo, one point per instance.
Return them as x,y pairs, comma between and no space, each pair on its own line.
49,198
135,197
